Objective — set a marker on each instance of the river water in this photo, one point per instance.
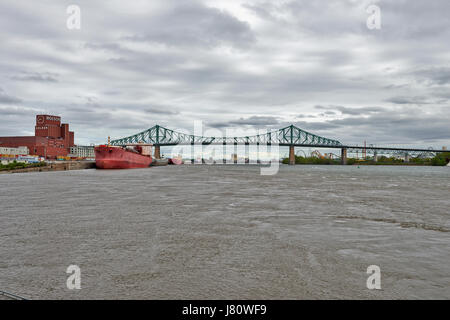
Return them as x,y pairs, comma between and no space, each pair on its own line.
227,232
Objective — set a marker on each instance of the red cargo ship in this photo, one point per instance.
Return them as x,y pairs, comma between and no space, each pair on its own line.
127,157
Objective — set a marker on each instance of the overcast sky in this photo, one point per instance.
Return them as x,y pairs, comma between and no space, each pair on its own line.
230,63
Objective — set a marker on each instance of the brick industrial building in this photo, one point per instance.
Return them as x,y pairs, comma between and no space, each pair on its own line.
51,139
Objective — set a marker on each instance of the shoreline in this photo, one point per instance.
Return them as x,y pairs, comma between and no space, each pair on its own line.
57,166
81,165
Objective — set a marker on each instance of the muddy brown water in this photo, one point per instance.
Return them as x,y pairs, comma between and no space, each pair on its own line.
226,232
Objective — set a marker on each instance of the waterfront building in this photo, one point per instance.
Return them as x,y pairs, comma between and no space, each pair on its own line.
13,152
51,140
82,151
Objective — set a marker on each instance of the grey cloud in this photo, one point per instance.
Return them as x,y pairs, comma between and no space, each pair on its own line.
415,19
433,75
112,92
408,100
316,127
396,86
303,116
315,17
263,10
191,24
161,110
25,22
360,111
349,111
36,76
94,115
218,124
256,121
104,46
7,99
18,111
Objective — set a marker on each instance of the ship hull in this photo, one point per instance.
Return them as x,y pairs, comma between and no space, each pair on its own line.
175,161
119,158
159,162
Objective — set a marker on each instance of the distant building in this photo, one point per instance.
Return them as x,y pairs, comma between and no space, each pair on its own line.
82,151
51,139
7,152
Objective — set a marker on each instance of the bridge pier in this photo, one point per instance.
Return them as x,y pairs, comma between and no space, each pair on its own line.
258,161
247,154
157,152
224,158
344,156
375,157
291,155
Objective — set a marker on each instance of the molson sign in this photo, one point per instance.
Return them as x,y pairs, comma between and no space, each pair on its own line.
42,119
52,118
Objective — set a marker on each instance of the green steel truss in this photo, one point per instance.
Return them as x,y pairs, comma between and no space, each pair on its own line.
290,135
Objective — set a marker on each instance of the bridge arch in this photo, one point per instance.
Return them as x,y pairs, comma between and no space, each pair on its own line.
287,136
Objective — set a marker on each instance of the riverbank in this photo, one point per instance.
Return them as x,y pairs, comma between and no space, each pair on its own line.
441,159
55,166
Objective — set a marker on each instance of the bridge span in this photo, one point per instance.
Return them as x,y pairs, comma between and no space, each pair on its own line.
290,136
